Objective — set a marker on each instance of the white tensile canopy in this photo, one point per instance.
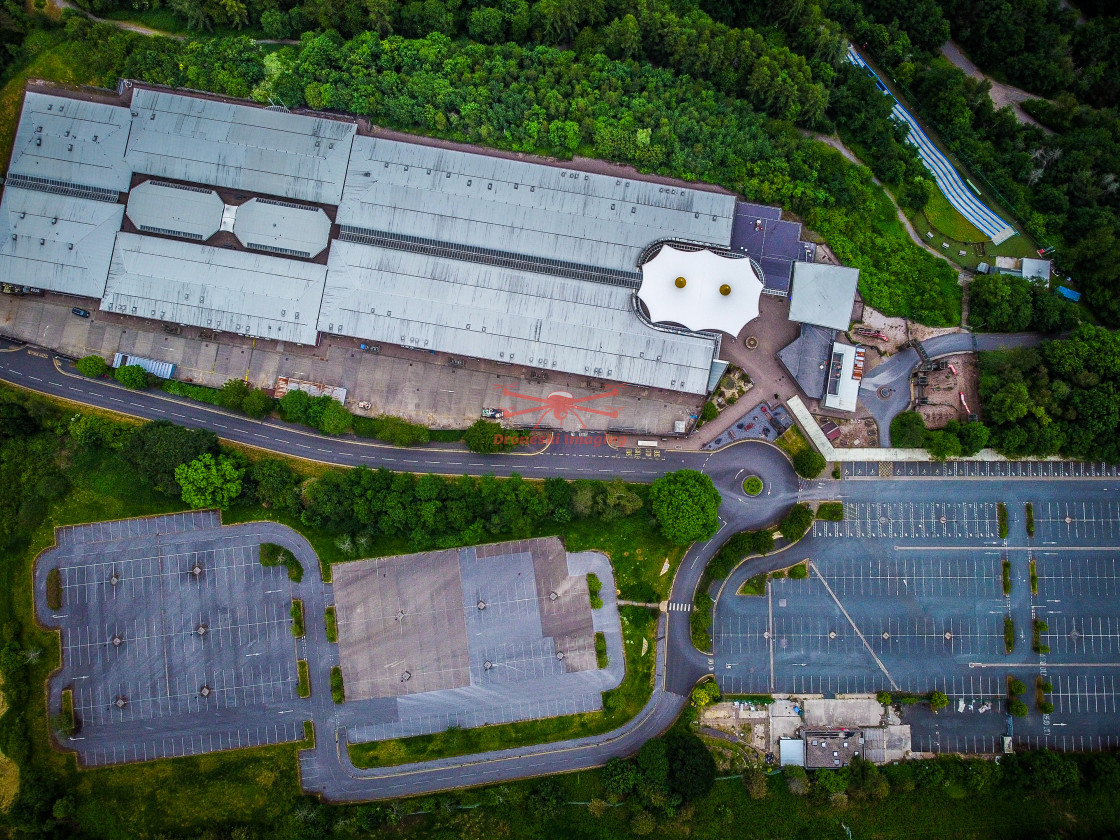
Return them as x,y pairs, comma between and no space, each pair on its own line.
700,290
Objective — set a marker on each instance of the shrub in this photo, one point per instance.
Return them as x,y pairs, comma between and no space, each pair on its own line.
1008,634
200,393
338,691
884,697
332,625
132,376
483,436
92,366
232,395
799,572
601,658
304,685
908,700
594,587
830,511
709,412
1046,707
1018,708
1006,577
808,463
938,700
836,472
1016,687
1046,686
257,404
1030,519
1001,512
796,522
797,780
392,430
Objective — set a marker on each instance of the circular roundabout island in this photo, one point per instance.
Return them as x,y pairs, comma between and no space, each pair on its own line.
752,485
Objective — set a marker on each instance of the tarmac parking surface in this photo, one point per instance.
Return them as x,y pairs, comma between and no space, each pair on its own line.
908,597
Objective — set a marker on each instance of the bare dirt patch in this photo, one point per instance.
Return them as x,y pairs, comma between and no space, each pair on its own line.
945,388
855,434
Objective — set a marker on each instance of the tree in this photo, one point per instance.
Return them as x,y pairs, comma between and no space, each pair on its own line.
276,24
335,419
16,421
705,694
938,700
159,447
487,25
1018,708
808,463
1016,687
273,480
232,394
685,504
692,770
908,431
295,405
619,777
210,482
709,412
92,366
483,436
796,522
943,444
132,376
797,780
973,437
257,403
754,780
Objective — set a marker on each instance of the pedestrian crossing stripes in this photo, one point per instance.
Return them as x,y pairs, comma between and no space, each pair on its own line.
674,607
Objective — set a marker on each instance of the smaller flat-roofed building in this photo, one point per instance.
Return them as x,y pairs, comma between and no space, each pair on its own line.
281,227
214,288
807,359
823,294
71,146
57,242
175,210
521,207
831,748
204,141
844,375
516,317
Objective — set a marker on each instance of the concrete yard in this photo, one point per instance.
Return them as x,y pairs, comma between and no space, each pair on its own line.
175,640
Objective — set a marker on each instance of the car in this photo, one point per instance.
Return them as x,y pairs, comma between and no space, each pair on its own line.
81,313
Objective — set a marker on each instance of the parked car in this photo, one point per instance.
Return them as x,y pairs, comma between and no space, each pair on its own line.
81,313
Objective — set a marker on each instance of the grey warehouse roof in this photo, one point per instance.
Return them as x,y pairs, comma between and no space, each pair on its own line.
823,294
215,288
520,207
71,141
495,313
239,146
282,227
175,210
56,242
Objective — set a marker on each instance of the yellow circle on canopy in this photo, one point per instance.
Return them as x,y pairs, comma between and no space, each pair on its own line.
680,281
725,290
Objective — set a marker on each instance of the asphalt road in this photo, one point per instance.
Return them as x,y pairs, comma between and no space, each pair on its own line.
327,769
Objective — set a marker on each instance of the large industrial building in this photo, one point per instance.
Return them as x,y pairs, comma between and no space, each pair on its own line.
230,217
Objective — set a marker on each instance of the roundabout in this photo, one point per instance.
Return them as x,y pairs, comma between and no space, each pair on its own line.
752,485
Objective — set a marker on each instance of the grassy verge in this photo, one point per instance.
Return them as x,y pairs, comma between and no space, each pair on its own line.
309,734
1030,519
601,657
54,589
830,511
753,586
1034,578
792,441
275,555
1006,577
1008,634
752,485
304,678
619,705
1001,512
338,690
332,626
298,629
65,723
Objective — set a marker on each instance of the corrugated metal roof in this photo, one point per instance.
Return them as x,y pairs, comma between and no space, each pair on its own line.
190,212
823,294
60,243
238,146
522,207
215,288
73,141
495,313
281,227
164,370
